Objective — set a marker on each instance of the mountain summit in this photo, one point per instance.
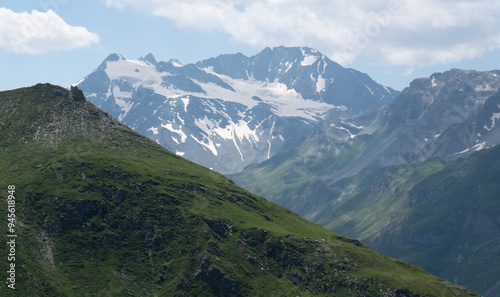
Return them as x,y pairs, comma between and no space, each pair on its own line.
151,59
103,211
231,111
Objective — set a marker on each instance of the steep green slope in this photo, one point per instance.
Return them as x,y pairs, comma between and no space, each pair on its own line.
102,211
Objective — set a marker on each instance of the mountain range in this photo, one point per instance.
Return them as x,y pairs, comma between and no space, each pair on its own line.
231,111
333,145
103,211
417,179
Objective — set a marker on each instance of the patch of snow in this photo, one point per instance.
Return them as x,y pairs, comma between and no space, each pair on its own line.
209,145
433,82
324,65
437,135
238,148
179,131
479,146
186,102
180,119
156,110
320,84
269,150
74,85
125,107
344,129
237,132
350,134
232,131
308,59
271,131
154,130
352,125
180,153
176,63
369,90
493,118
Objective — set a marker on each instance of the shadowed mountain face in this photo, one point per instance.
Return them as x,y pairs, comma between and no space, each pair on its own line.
231,111
362,176
103,211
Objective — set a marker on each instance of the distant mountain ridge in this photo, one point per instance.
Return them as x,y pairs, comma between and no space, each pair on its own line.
231,111
367,176
309,73
446,115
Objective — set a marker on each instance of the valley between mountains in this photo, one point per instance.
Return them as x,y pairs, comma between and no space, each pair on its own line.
417,179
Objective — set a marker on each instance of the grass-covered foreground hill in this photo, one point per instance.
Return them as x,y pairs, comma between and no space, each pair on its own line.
103,211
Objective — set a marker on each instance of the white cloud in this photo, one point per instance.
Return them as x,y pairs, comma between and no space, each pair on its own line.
394,32
40,32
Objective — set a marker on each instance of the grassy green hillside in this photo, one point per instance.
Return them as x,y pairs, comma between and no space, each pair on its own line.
103,211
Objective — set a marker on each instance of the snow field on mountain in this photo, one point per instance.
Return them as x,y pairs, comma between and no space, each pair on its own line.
285,102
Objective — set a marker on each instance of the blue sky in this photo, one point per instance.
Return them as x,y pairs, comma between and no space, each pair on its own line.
62,41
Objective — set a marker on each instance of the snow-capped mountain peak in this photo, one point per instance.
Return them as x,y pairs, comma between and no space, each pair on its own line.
175,62
114,57
230,111
150,58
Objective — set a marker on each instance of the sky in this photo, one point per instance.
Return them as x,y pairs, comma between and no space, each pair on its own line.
393,41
